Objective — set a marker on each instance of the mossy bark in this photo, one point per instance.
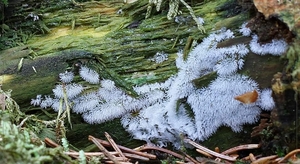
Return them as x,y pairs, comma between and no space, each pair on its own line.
123,43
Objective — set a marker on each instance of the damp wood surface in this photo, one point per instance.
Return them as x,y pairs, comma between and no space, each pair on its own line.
96,28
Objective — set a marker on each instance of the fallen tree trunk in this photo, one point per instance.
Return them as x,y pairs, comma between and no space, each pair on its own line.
120,43
124,43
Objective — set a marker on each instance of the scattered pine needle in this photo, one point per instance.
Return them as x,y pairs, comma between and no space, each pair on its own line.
124,155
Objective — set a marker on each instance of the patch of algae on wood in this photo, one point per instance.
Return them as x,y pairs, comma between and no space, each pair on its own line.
37,76
127,50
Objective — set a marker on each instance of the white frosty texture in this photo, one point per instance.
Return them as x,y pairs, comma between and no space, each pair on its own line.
89,75
57,104
265,100
66,77
47,102
215,105
110,102
37,101
159,124
158,113
245,31
276,47
86,102
72,90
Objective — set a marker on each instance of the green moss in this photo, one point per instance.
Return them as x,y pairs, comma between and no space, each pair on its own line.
19,142
16,146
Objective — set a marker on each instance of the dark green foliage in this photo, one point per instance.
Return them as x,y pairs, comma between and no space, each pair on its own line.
4,2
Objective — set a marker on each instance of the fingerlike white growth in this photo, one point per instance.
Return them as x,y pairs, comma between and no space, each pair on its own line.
212,106
58,91
47,102
276,47
89,75
245,30
227,66
66,77
37,101
86,102
215,105
72,90
57,104
242,50
108,84
266,101
161,114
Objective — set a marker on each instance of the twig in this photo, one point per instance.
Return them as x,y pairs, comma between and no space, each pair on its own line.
289,155
194,161
264,159
51,143
204,153
102,148
119,162
241,147
252,157
114,145
2,100
113,153
135,156
147,147
222,156
23,121
87,153
150,156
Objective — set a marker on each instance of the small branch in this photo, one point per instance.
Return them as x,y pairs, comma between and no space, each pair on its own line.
218,155
147,147
289,155
102,148
113,153
114,145
241,147
2,100
51,143
23,121
204,153
191,158
264,159
111,162
150,156
252,157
